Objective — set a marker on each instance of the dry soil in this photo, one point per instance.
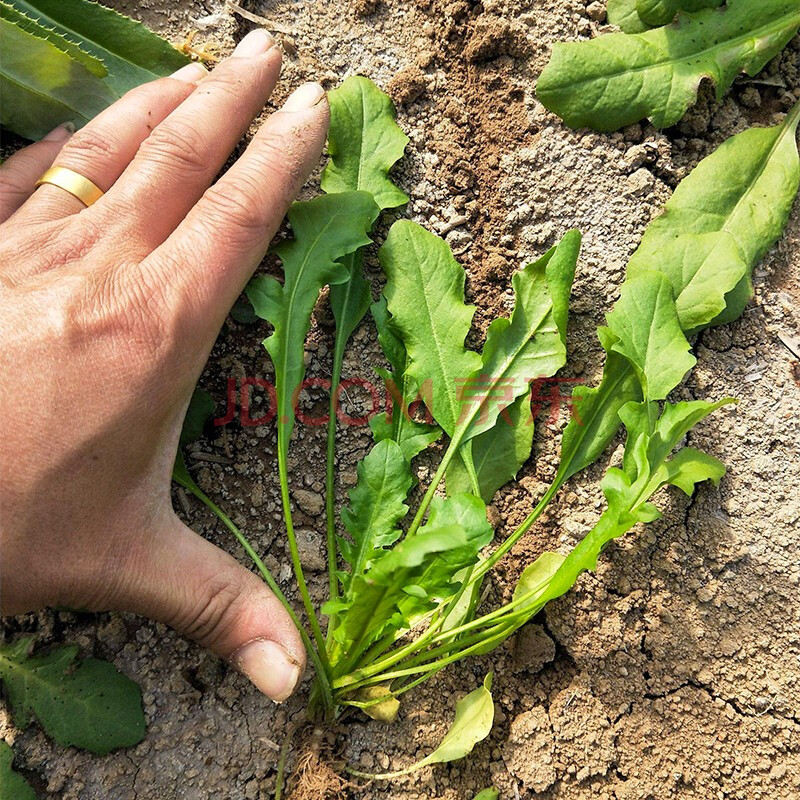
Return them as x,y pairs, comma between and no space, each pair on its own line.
674,671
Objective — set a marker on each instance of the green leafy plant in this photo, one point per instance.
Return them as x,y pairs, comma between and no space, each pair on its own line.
405,589
83,703
620,78
68,61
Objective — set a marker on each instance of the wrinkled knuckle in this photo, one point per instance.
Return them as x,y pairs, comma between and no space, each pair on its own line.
207,621
175,144
240,209
91,144
11,186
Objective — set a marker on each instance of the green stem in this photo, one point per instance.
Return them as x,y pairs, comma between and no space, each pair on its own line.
283,474
330,476
322,675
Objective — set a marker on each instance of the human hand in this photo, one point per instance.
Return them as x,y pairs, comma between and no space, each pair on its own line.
108,316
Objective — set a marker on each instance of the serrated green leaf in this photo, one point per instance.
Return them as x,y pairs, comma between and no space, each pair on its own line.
34,27
425,297
86,704
655,13
43,87
721,220
715,228
528,345
497,454
649,335
364,142
131,53
377,506
618,79
646,468
325,229
624,15
12,785
399,426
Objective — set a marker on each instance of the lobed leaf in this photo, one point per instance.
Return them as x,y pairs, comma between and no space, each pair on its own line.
647,332
497,454
12,785
364,142
619,78
646,468
425,297
325,229
376,506
86,703
720,222
528,345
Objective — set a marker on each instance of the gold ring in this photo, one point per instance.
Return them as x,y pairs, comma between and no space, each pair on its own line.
72,182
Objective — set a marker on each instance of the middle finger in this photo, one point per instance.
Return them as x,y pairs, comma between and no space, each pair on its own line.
183,154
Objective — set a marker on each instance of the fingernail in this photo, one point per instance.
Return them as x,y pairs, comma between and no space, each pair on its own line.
271,668
256,43
304,97
190,73
61,133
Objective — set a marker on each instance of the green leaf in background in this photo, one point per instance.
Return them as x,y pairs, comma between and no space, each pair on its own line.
73,49
425,297
83,703
325,229
721,220
364,142
655,13
618,79
42,86
649,335
497,454
67,61
201,407
377,505
487,794
624,15
12,785
131,53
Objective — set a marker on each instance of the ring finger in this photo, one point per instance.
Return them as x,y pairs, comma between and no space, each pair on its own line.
102,150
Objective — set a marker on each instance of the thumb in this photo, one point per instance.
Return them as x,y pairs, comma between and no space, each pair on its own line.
191,585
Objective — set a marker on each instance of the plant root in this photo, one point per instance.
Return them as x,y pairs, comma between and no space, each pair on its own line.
314,776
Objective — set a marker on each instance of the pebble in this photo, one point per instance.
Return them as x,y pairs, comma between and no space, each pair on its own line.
309,502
